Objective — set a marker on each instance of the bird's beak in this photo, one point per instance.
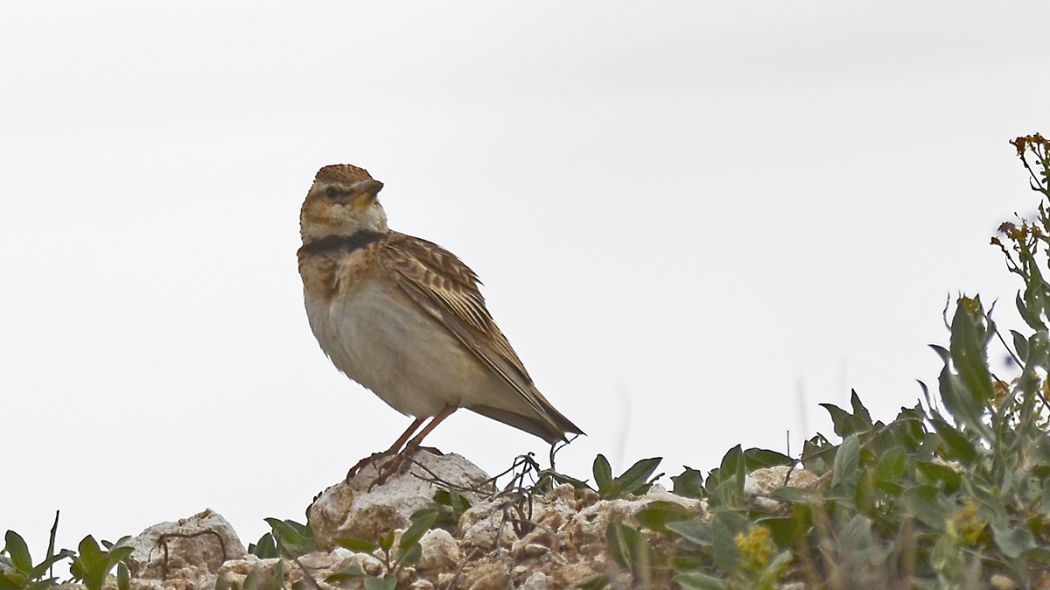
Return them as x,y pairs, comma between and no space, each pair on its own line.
369,186
365,191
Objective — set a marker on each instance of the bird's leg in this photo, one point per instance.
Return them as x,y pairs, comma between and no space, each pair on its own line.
415,442
393,448
403,459
400,442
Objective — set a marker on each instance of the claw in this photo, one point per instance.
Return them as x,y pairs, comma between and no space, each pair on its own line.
364,463
398,464
401,461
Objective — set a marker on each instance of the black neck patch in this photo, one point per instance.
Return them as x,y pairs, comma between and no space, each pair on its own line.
345,244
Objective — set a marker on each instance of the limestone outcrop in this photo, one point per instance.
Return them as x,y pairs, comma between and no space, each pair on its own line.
499,539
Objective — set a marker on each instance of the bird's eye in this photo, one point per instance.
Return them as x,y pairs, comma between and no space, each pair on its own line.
331,192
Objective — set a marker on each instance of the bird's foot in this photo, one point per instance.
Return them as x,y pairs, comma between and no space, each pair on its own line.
432,451
398,464
365,463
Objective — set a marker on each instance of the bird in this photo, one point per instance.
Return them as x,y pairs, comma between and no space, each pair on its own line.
405,318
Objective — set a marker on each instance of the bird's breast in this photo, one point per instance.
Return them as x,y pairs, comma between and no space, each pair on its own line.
378,337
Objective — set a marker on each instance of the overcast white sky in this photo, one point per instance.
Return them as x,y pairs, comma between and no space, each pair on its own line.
684,213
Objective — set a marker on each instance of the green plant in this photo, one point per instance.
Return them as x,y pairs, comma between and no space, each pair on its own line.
17,570
286,538
92,564
952,491
449,506
265,547
635,480
632,552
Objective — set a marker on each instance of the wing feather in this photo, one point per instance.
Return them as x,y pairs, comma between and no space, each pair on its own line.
448,290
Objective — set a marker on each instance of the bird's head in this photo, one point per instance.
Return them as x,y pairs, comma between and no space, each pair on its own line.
341,202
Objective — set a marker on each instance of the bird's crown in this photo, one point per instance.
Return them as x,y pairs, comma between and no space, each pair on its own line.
342,173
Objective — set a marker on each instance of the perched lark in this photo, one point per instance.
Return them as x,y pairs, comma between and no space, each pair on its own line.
404,317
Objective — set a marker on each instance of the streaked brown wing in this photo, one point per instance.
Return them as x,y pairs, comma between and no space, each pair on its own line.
448,290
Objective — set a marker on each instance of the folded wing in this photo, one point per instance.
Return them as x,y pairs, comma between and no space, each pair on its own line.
447,289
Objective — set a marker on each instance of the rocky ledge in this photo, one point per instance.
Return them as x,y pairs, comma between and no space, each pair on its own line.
495,540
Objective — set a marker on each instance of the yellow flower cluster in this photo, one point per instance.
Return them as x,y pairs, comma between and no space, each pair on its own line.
755,546
964,524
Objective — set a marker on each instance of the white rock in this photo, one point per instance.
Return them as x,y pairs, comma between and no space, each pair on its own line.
234,571
537,581
1001,582
440,550
760,483
483,526
589,524
657,493
320,560
541,540
367,563
561,505
350,509
191,548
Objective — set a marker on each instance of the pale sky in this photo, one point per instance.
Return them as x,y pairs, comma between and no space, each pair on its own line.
694,222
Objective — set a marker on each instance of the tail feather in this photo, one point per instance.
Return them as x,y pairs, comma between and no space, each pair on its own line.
551,428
